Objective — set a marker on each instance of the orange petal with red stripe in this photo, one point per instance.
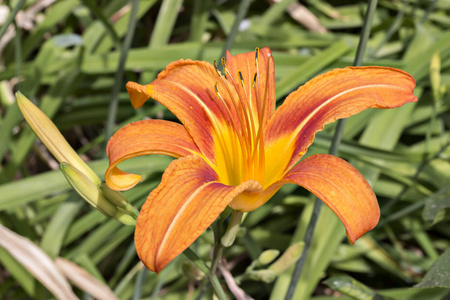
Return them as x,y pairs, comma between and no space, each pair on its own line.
187,89
337,94
144,138
342,188
176,213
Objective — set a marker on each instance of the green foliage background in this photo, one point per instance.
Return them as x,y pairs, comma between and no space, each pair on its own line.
73,58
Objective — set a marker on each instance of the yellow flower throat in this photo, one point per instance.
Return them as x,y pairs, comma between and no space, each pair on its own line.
239,146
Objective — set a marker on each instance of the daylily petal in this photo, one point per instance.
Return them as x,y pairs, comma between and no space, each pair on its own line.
245,63
143,138
342,188
337,94
187,89
186,202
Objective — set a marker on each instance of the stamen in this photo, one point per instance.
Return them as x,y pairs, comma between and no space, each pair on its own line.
242,79
224,66
217,69
250,123
259,153
237,110
266,88
217,91
242,139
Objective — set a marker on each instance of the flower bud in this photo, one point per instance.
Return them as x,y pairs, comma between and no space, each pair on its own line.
288,258
268,256
89,192
52,138
266,275
82,178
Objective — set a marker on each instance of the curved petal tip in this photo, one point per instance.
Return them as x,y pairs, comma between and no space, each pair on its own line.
342,188
139,94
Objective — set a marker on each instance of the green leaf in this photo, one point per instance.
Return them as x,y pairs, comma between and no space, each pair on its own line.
439,273
351,287
435,204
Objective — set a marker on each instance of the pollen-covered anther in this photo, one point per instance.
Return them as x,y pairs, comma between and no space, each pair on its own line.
241,78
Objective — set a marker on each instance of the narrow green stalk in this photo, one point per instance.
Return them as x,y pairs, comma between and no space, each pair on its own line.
212,277
112,112
11,17
308,239
227,239
333,150
217,255
401,213
18,52
429,10
242,12
392,29
99,14
371,8
233,227
140,280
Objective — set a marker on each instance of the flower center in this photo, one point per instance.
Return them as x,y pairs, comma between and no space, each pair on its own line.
239,144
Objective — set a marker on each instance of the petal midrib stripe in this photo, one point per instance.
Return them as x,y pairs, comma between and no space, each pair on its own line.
317,109
177,216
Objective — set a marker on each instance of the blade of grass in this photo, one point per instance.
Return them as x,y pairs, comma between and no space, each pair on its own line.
275,11
52,240
165,22
199,20
118,78
11,17
18,272
99,14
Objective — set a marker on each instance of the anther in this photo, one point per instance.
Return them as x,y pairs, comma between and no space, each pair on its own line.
241,78
254,80
217,91
256,54
224,66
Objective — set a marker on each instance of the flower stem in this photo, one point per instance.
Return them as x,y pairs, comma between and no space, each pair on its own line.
333,150
112,110
233,227
212,277
227,239
217,255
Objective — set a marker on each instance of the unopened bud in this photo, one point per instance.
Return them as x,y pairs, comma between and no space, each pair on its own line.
268,256
89,192
266,275
52,138
288,258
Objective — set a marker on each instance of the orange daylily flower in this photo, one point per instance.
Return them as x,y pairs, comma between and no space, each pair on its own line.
235,149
